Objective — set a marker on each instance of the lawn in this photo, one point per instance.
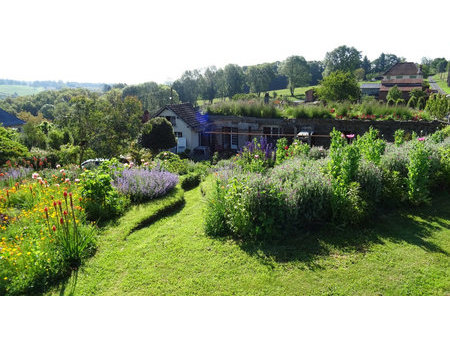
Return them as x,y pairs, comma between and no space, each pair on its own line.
441,80
299,94
400,253
8,90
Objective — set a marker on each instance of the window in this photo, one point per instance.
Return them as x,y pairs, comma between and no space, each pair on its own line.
230,138
178,134
399,77
412,76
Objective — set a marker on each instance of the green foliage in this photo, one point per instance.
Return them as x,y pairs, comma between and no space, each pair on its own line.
399,137
394,94
284,151
342,58
244,108
339,86
371,146
100,199
157,134
55,139
171,162
438,105
190,181
297,71
10,149
419,173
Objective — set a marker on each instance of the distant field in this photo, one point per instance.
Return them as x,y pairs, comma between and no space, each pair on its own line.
299,94
8,90
441,80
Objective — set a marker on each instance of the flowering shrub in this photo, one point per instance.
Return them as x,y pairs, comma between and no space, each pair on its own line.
284,151
256,155
142,184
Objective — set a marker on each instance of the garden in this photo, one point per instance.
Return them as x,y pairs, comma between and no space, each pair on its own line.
95,228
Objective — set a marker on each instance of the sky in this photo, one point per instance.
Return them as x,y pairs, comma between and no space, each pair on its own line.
132,41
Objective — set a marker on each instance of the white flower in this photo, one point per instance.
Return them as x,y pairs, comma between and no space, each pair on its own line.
35,176
58,166
61,171
77,180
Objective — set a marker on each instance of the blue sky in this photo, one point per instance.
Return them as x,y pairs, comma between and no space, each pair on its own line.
136,41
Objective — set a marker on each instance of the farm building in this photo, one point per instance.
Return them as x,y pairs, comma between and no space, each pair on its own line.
405,75
10,121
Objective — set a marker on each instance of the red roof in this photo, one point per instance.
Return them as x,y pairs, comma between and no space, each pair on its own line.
403,68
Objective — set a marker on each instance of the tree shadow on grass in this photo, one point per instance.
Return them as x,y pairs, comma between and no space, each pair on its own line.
412,226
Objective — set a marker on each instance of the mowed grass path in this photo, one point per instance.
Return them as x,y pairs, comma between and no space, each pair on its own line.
402,254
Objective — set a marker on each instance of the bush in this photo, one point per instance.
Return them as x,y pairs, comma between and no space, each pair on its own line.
142,184
10,149
101,200
157,134
171,162
190,181
418,173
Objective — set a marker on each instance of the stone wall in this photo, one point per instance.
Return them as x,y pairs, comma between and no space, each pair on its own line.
323,127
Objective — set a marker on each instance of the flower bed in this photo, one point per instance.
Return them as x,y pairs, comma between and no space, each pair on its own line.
43,234
342,189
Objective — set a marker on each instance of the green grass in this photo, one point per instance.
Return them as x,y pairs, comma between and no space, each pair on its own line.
8,90
299,94
401,253
441,80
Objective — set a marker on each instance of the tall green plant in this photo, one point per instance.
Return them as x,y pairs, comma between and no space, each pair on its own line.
419,173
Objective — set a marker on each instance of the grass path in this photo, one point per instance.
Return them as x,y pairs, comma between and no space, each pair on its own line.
403,254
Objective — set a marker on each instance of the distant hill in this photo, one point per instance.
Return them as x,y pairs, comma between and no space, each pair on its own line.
13,88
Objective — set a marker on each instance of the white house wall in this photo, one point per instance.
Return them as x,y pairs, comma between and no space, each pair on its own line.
192,137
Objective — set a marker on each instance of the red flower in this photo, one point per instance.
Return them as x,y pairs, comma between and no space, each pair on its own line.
332,110
54,204
53,228
65,212
46,209
286,147
61,220
65,193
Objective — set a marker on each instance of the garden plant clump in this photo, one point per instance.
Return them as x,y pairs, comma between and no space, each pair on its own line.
257,200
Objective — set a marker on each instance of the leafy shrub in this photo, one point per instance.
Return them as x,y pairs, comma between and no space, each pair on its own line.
190,181
10,149
316,153
142,184
171,162
244,108
101,200
399,137
284,151
371,146
418,173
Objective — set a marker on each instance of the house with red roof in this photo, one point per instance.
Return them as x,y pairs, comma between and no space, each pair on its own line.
405,75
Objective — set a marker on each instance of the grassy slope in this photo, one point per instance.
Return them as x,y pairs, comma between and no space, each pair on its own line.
299,94
404,254
441,80
20,90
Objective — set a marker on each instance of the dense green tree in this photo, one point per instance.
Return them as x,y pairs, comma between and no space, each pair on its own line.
9,148
259,77
316,69
188,86
366,66
151,95
343,58
384,62
233,80
157,134
339,86
297,71
33,136
209,84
